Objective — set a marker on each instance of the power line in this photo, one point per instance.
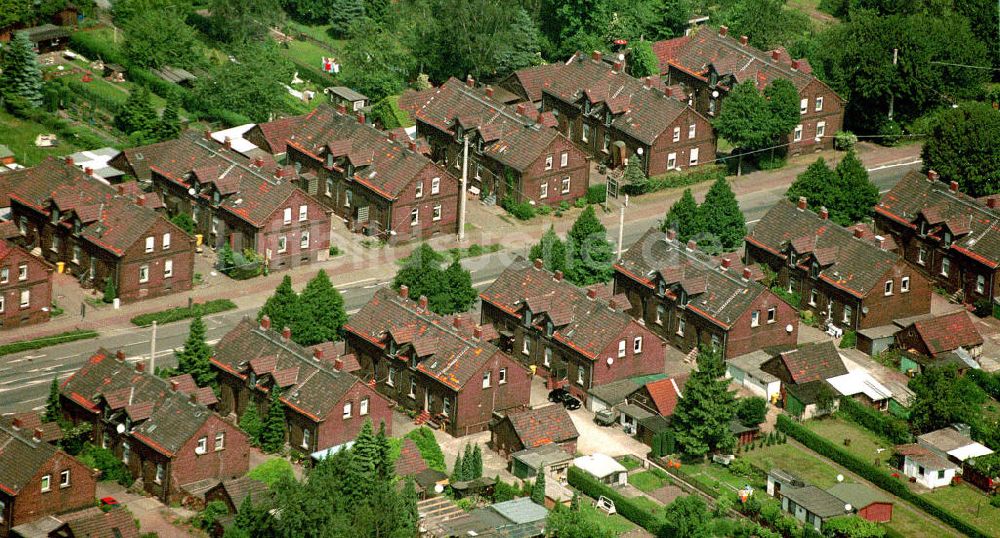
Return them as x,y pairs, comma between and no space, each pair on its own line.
987,68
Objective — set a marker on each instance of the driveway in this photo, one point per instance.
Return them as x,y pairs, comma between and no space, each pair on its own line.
153,516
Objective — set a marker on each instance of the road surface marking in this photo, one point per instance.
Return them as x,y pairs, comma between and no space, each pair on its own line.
884,166
349,284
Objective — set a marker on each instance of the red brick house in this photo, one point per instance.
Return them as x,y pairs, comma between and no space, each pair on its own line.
532,428
613,116
567,333
946,235
167,438
38,480
707,64
324,406
843,277
803,373
691,299
512,152
99,232
442,367
25,287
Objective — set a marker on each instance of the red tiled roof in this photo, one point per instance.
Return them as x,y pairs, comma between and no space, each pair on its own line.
948,332
815,361
277,132
666,393
543,425
409,462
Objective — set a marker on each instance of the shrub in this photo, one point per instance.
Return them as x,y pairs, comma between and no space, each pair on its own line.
888,427
675,179
429,449
183,312
989,382
597,194
741,467
984,307
272,471
849,341
240,265
628,508
519,210
580,203
845,140
105,461
890,132
38,343
110,290
213,511
751,410
503,491
543,210
184,222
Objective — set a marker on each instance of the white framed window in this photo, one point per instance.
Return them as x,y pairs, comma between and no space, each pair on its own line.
287,217
304,240
413,388
46,483
168,268
64,478
797,134
812,297
282,243
922,256
144,273
565,185
848,314
819,104
150,243
548,162
681,324
420,189
5,275
547,357
820,129
25,298
159,474
772,314
947,238
803,106
22,271
363,407
166,241
585,133
414,216
126,452
715,342
564,159
215,225
660,311
980,284
348,409
694,157
621,348
3,510
303,213
579,375
446,406
328,191
55,243
436,214
904,284
755,318
543,190
526,346
486,379
435,185
671,161
502,376
692,129
637,345
1,302
220,441
306,435
945,266
677,134
202,445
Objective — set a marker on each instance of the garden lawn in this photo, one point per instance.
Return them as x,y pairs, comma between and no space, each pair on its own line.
970,504
648,481
796,460
19,135
717,477
306,52
599,520
864,443
629,462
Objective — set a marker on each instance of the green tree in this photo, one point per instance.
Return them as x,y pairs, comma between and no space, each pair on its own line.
751,410
817,183
184,222
448,291
721,216
551,250
21,76
15,11
686,517
745,119
856,194
767,23
672,18
961,147
319,313
253,86
251,424
243,21
538,489
943,397
379,11
477,461
383,459
571,25
169,128
458,287
521,47
364,462
110,290
194,358
376,64
568,522
282,307
852,527
311,11
635,179
137,114
590,252
458,471
272,435
159,37
701,419
467,471
644,62
783,104
344,13
684,217
53,406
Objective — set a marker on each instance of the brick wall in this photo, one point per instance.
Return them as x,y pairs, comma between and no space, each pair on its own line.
656,158
316,224
743,337
32,503
180,253
337,429
232,461
577,169
38,284
446,199
476,404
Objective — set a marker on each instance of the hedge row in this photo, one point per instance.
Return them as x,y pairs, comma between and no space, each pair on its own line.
590,486
183,312
38,343
989,382
685,178
891,428
873,474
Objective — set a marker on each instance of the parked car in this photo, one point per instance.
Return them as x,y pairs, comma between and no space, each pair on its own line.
563,397
606,417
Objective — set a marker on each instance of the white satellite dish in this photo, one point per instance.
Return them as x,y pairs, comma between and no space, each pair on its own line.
611,361
848,507
438,488
639,151
120,428
789,328
192,192
840,478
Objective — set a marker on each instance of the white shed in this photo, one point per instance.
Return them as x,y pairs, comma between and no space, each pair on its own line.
603,468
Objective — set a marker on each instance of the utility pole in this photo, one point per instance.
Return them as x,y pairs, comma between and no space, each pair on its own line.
621,227
152,350
462,192
892,98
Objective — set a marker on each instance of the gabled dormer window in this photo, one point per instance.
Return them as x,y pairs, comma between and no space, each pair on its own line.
662,288
479,145
923,227
791,258
527,318
549,328
77,226
55,215
350,169
393,349
216,197
608,118
947,238
682,298
814,270
253,379
329,160
586,107
459,132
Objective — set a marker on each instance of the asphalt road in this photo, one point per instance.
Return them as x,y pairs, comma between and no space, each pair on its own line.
25,377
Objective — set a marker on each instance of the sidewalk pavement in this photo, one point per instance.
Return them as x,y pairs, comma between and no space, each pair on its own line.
359,262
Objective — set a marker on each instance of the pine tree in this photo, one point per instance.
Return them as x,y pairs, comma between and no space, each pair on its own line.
591,253
343,14
137,114
250,423
21,77
319,315
684,217
410,501
551,250
377,10
53,407
383,464
194,358
701,419
363,466
817,183
458,471
282,307
169,126
459,291
635,178
272,437
477,461
538,489
855,195
448,291
110,290
521,47
721,216
467,464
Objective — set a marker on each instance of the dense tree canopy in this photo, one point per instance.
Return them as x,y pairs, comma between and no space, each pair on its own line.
767,23
683,217
943,397
319,312
643,62
551,250
962,147
701,419
243,21
252,87
21,77
194,357
846,192
590,251
448,291
721,217
376,64
157,38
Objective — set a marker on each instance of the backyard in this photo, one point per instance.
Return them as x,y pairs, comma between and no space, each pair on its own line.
19,135
970,504
862,443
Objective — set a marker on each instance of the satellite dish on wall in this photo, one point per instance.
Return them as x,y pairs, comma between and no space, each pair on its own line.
120,428
789,328
438,488
610,361
848,507
192,192
639,151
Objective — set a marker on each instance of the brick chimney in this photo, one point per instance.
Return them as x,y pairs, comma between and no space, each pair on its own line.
992,202
723,31
338,364
121,189
258,162
744,40
803,203
692,244
193,397
318,354
596,55
361,118
489,91
393,136
824,213
668,91
613,304
882,242
404,291
140,200
228,143
120,355
286,334
859,233
88,171
69,160
17,423
140,367
747,273
618,66
775,55
470,82
207,134
412,144
591,293
174,385
932,175
726,263
477,332
647,83
456,322
265,323
522,109
953,186
795,65
539,263
558,276
342,108
671,235
279,172
37,435
422,302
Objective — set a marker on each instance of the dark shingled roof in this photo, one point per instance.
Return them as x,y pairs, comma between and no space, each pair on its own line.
454,355
276,133
717,294
815,500
814,361
975,228
948,332
531,79
21,457
95,523
854,265
586,325
240,488
543,425
409,462
28,421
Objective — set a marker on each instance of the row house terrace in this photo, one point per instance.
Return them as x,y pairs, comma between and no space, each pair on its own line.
325,406
513,152
25,287
441,367
98,232
693,300
846,278
37,479
615,117
946,235
707,64
572,335
379,183
245,203
163,430
525,85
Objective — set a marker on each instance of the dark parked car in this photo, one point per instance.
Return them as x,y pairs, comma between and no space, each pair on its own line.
563,397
